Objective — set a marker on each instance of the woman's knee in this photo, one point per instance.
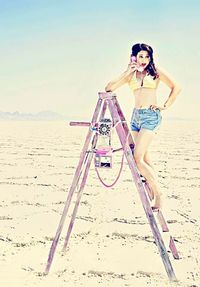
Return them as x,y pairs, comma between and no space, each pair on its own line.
147,158
138,156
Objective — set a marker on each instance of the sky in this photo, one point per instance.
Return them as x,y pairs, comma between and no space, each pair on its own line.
58,54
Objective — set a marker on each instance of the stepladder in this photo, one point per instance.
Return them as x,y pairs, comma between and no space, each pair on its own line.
98,146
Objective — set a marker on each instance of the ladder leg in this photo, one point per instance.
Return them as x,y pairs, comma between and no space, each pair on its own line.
70,227
62,221
80,192
71,191
160,216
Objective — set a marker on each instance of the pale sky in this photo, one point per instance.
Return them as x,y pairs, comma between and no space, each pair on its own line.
58,54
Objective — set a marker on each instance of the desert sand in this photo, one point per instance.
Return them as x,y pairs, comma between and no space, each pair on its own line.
111,243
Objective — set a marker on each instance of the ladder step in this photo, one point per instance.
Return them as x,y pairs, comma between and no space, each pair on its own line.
173,249
162,221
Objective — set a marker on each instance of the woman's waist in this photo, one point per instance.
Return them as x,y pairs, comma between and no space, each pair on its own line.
142,107
145,101
145,105
145,110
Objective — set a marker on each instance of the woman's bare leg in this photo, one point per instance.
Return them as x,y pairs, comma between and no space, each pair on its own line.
143,140
147,158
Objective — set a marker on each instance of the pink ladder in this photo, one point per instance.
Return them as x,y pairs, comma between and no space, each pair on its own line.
109,100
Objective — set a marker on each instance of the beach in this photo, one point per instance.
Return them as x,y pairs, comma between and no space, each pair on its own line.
111,243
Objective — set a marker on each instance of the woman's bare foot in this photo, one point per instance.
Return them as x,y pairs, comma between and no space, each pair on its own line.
157,204
149,191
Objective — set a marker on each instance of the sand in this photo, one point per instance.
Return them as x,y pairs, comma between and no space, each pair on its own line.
111,243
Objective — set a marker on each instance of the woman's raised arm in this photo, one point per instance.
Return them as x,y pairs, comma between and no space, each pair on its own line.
122,79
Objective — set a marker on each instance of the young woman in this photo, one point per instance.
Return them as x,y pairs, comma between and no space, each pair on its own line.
143,78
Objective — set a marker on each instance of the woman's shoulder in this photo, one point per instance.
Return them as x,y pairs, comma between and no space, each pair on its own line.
161,71
166,77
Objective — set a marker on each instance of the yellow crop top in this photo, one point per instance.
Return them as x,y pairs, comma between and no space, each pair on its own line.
148,82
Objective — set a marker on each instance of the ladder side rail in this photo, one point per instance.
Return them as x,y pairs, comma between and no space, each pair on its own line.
79,194
71,191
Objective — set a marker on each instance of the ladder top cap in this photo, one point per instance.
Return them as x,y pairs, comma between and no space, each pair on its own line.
106,95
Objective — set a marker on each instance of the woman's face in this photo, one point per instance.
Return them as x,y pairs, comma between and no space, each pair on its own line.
143,58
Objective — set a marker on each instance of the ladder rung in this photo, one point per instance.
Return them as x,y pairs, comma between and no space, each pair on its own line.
162,221
173,249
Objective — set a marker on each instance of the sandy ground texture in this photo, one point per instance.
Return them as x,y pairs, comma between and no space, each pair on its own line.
111,243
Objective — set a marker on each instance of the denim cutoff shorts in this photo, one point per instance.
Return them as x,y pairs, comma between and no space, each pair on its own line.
146,119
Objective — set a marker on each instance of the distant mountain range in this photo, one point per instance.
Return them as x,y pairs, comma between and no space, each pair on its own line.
53,116
41,116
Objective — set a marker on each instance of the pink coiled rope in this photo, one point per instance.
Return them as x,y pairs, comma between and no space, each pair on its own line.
118,176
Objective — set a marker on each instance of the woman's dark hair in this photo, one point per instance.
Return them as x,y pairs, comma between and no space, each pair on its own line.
151,66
